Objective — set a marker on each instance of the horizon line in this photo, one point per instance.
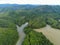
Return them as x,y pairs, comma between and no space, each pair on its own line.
30,4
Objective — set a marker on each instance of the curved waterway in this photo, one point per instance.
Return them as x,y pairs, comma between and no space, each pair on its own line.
21,33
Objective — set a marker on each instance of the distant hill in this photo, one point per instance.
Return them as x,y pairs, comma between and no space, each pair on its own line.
34,8
6,7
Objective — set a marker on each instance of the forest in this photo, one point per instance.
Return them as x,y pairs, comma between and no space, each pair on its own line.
35,38
38,16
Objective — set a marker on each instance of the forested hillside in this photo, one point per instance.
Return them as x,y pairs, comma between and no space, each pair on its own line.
37,16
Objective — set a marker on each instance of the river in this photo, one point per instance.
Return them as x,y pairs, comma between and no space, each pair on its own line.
21,33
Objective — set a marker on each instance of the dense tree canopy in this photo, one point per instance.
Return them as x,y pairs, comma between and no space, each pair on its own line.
37,16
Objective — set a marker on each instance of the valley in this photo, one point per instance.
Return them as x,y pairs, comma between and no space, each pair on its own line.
43,24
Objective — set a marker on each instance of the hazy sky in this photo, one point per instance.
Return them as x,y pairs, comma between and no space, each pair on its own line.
50,2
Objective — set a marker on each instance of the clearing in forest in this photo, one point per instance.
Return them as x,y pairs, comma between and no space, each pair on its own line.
52,34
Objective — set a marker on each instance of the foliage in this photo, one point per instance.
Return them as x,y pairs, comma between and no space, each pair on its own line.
35,38
8,36
37,16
